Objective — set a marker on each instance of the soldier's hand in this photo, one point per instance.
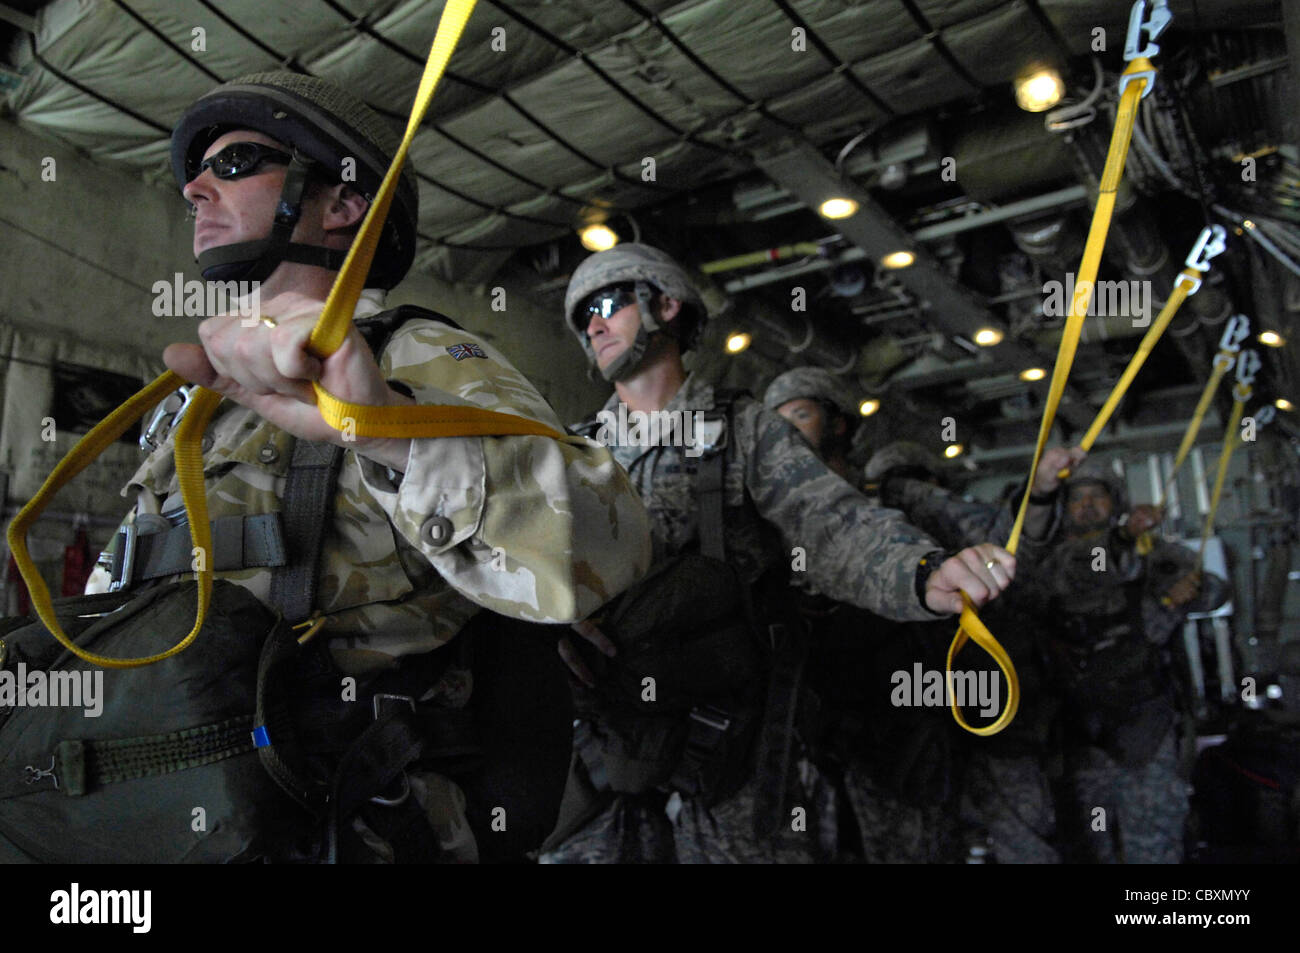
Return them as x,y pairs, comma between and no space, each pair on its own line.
269,370
1184,590
1052,462
573,660
982,572
1141,519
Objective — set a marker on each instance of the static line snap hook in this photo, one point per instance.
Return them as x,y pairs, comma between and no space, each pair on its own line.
1248,365
1235,333
1211,243
1153,26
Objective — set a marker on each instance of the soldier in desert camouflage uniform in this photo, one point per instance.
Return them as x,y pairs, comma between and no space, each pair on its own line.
423,533
635,310
1112,611
1005,794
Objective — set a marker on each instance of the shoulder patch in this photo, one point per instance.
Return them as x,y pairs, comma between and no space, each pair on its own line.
462,351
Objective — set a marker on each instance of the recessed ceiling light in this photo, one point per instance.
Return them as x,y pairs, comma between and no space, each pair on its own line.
953,450
838,207
987,337
868,407
898,259
737,341
1271,338
1039,90
598,237
1283,404
1033,374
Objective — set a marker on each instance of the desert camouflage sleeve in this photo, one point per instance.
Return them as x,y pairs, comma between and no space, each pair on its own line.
855,552
531,527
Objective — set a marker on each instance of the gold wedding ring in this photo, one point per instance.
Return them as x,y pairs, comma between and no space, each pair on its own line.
269,321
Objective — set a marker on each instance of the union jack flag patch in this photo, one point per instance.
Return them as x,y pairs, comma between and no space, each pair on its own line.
462,351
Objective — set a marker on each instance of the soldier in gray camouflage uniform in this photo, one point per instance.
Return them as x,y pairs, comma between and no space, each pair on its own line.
635,310
1113,610
1006,797
423,533
821,409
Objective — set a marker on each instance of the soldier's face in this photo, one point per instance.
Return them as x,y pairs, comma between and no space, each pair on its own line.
1088,507
808,416
235,210
611,336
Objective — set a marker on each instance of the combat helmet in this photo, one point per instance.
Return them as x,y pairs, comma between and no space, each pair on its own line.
1097,470
323,126
813,383
901,455
649,270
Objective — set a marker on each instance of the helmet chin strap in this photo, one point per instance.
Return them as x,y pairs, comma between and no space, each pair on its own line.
256,260
629,362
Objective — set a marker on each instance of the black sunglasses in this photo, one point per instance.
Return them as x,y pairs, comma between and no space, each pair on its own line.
608,301
240,159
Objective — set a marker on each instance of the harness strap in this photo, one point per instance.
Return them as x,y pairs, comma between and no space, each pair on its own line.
774,760
238,542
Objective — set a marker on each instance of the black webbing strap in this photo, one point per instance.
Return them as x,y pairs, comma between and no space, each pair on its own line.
280,647
710,480
308,500
774,760
709,485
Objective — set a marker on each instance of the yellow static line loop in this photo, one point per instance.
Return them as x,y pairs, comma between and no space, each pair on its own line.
973,628
1138,77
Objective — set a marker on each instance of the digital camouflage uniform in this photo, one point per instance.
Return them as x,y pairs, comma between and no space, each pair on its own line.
527,526
1111,639
778,496
1006,797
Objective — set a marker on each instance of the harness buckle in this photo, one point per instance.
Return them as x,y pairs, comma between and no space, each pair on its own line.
377,702
715,718
126,537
